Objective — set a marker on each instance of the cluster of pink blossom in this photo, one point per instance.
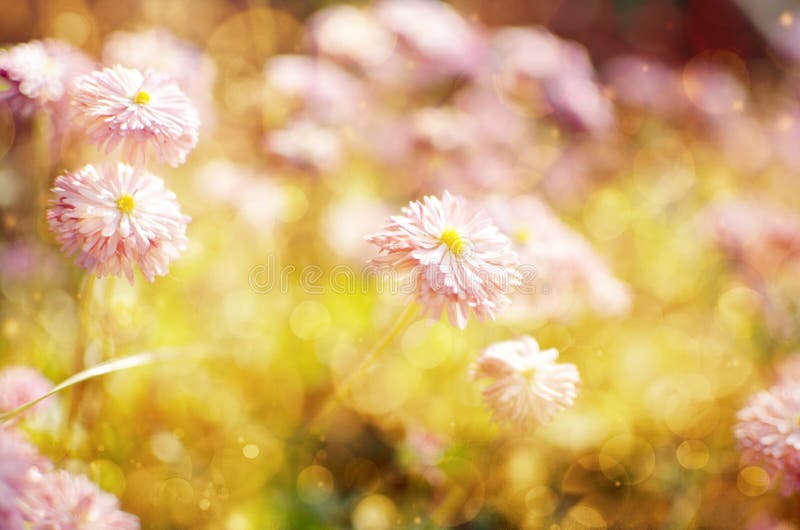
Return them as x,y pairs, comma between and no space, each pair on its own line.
33,495
378,62
111,216
463,263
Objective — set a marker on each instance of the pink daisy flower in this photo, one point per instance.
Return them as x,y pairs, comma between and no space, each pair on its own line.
17,459
21,384
458,259
530,388
59,500
35,75
115,217
768,433
139,112
185,62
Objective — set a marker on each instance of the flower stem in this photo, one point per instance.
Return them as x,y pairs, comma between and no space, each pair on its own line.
344,389
84,301
108,367
41,166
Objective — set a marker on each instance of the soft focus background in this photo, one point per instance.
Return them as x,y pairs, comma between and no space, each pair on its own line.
642,154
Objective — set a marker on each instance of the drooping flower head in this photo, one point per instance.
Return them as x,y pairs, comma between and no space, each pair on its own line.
35,75
142,113
530,388
17,459
457,257
59,500
115,217
21,384
768,433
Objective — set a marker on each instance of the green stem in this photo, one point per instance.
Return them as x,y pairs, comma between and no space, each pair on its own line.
108,367
41,165
403,320
84,301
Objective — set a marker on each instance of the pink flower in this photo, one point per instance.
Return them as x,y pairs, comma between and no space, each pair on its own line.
326,92
529,387
545,74
160,50
435,34
115,217
21,384
645,83
306,145
139,112
352,36
17,460
457,258
343,222
560,266
768,433
35,75
754,232
56,500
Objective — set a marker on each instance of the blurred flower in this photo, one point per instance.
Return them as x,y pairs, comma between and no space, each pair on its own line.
21,384
36,75
788,369
17,459
319,87
142,113
645,83
433,34
59,500
342,225
529,387
561,261
306,145
765,521
443,128
783,130
116,216
713,88
754,233
544,74
768,433
575,96
158,49
257,198
521,59
425,449
352,36
457,257
27,259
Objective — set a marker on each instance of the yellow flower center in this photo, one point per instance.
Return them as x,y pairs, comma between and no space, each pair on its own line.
125,203
141,98
522,235
453,241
